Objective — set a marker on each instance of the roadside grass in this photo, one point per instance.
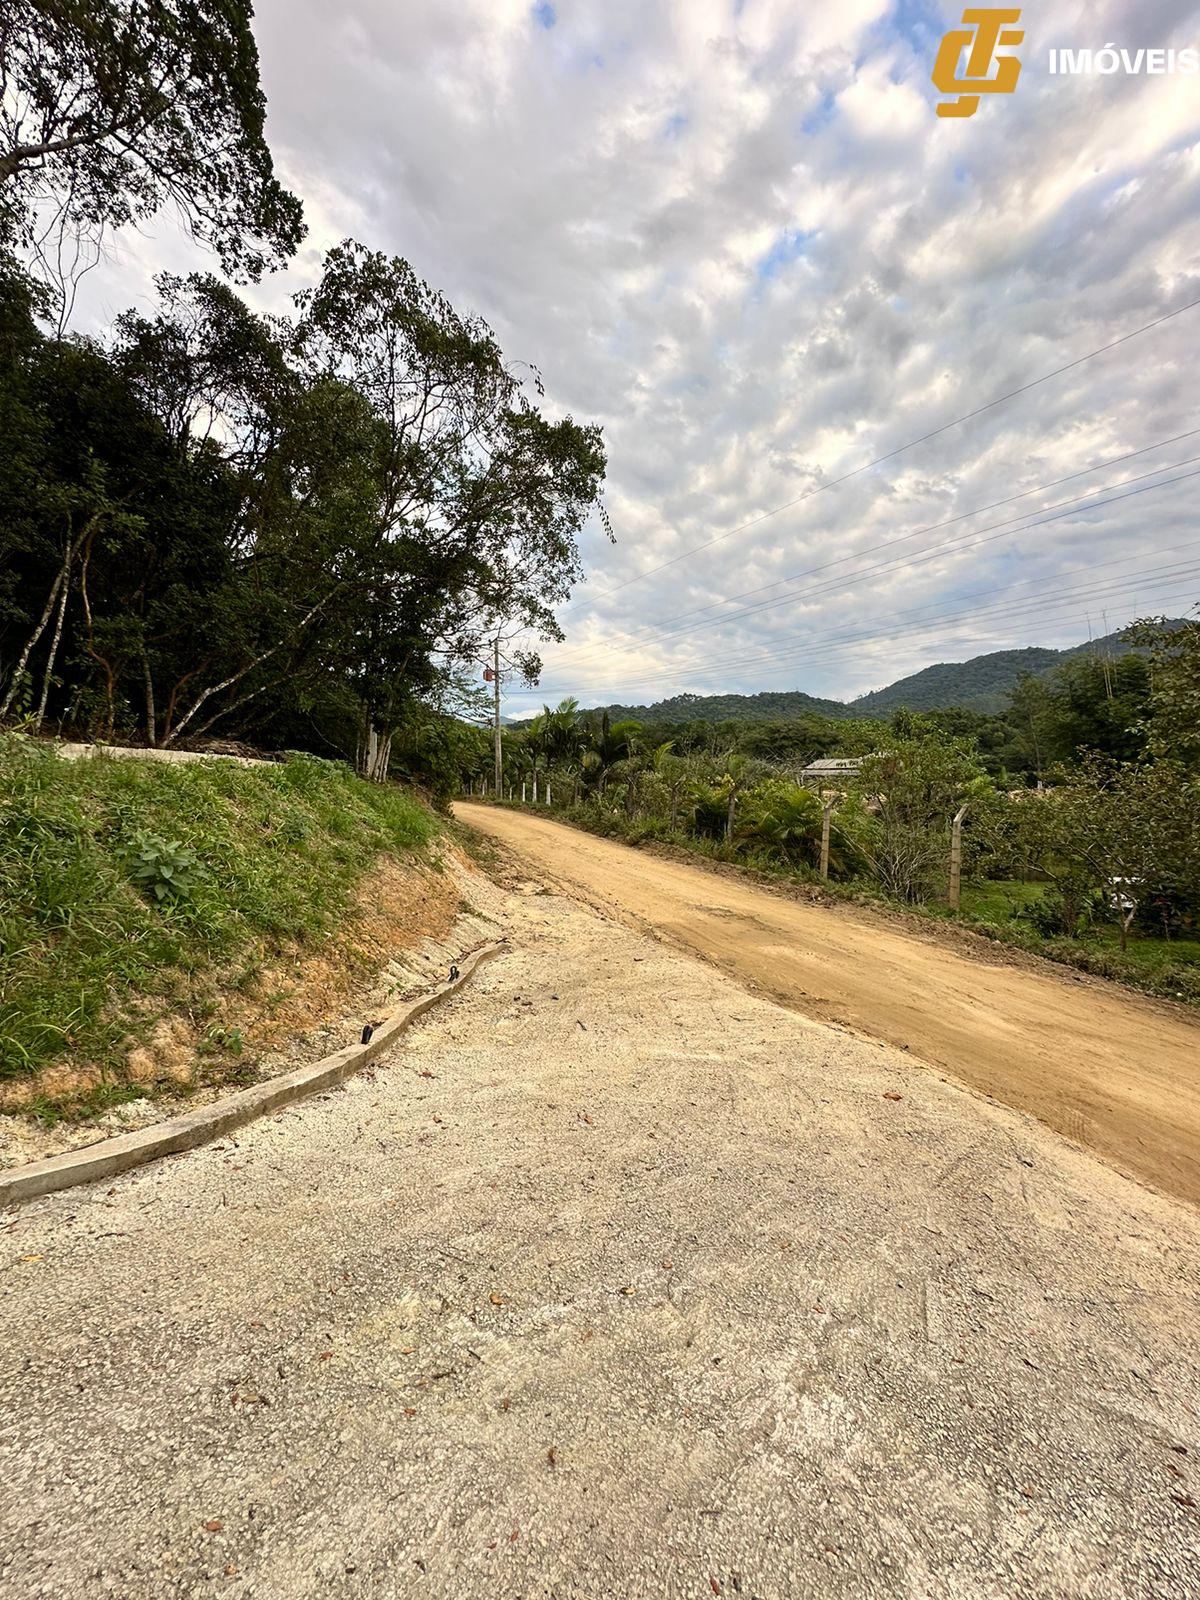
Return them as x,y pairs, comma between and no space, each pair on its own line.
122,881
994,900
992,908
1169,967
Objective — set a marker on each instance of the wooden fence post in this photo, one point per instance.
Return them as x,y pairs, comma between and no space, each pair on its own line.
956,857
547,791
826,817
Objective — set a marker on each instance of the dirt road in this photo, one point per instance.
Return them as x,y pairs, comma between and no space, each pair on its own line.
1115,1073
613,1282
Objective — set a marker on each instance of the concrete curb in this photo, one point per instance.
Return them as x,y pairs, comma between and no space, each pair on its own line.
111,1156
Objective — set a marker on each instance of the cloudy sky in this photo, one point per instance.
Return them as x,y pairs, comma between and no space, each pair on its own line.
736,233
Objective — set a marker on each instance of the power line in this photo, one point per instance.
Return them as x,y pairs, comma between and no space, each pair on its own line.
1182,576
756,658
1076,505
968,541
957,548
888,455
837,645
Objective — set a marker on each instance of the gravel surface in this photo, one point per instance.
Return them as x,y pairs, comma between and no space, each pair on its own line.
614,1280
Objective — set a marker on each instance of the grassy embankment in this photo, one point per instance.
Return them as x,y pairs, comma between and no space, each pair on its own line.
993,908
150,912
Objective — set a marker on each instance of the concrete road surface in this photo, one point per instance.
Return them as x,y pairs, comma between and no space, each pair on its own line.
613,1281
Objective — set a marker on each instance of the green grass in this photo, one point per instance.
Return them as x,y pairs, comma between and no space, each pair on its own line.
1168,967
86,951
997,901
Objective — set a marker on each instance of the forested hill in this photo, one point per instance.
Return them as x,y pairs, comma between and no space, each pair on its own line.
981,684
771,706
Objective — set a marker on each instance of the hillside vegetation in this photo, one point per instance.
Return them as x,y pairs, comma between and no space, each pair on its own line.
770,706
982,683
1079,805
133,891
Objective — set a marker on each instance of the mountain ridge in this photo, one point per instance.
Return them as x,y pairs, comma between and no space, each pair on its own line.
981,683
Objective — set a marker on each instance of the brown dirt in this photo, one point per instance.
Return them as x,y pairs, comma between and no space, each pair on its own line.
1112,1071
399,905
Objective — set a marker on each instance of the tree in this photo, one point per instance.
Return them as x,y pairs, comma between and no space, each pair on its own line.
1028,715
479,498
609,743
292,458
736,777
284,530
111,109
783,816
1136,828
1172,715
914,788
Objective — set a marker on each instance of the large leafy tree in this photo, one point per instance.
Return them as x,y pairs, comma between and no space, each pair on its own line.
914,787
479,496
274,528
296,457
1172,720
110,109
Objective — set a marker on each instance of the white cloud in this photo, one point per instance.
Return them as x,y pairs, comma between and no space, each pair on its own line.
738,235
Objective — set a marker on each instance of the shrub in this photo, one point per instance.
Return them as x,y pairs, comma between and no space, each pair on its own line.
163,869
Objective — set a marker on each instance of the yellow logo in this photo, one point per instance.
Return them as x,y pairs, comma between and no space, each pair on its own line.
983,31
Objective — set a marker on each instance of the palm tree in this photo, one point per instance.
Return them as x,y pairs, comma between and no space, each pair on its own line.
610,743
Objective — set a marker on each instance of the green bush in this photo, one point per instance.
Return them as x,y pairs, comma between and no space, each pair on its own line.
163,868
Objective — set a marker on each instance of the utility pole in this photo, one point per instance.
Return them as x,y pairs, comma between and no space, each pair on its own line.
497,742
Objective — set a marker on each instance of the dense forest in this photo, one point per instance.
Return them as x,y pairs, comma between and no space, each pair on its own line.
299,531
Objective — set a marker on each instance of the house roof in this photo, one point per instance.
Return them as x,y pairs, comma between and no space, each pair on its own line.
834,764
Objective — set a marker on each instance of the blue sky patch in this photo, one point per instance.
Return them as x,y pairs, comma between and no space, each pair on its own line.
788,247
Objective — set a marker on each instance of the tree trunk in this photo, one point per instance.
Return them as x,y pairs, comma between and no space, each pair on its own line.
375,754
151,715
31,642
110,678
54,643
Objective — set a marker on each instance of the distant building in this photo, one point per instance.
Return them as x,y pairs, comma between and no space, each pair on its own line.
830,769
